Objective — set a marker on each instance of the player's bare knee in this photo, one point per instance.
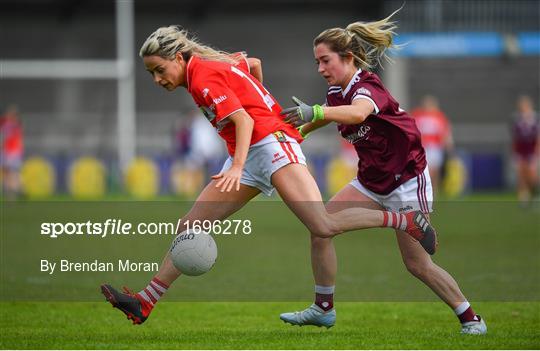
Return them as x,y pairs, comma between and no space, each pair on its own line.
320,230
323,228
318,242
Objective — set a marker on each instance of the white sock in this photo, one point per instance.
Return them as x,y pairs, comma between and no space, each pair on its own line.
319,289
462,308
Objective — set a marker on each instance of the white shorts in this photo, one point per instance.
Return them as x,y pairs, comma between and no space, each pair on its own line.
267,156
415,194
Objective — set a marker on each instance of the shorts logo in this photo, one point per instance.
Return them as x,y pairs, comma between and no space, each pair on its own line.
405,209
278,157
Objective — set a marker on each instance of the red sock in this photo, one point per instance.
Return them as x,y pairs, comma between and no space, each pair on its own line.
394,220
150,295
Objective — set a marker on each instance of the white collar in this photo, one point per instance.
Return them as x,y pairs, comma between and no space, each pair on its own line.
355,78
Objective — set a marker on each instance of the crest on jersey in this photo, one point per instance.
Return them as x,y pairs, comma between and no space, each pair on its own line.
363,91
205,92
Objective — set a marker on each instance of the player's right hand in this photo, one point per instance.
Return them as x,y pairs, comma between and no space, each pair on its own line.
302,113
229,179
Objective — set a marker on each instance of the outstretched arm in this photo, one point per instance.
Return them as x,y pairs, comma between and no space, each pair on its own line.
355,113
312,126
303,113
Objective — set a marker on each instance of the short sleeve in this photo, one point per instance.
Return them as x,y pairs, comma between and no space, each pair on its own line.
371,92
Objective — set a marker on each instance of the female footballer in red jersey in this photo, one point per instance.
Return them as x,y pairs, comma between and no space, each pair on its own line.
264,154
392,170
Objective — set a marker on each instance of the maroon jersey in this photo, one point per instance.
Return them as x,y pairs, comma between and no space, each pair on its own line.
525,135
387,142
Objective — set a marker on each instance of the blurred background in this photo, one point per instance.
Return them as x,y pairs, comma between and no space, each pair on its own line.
81,117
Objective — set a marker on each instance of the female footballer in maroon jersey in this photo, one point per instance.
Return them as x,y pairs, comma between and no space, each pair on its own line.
526,148
264,154
392,170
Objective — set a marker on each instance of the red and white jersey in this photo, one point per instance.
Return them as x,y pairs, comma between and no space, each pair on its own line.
433,126
221,89
387,142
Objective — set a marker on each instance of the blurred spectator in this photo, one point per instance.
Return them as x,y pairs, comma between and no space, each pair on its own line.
182,138
526,148
11,137
196,147
195,141
436,136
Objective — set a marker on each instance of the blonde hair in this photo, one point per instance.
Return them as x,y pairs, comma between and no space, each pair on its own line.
167,41
366,41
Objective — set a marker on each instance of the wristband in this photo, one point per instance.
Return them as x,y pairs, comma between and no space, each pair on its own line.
302,134
318,113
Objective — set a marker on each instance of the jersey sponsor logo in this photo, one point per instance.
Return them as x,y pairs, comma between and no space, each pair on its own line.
219,99
359,135
205,92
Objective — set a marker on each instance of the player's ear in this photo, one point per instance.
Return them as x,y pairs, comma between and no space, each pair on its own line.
178,57
348,57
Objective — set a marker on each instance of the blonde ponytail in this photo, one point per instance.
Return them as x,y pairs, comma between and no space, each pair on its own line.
366,41
167,41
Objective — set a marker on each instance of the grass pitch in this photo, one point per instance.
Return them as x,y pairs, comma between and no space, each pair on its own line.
244,325
491,247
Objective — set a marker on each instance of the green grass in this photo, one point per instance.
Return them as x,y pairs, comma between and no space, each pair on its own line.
243,325
489,244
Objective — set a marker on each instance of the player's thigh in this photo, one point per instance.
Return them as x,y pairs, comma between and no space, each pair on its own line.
293,182
300,192
522,167
212,204
532,167
411,250
350,197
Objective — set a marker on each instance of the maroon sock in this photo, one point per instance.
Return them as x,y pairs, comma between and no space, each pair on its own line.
324,301
468,316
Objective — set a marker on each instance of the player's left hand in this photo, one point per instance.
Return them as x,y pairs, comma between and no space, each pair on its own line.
229,179
302,113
